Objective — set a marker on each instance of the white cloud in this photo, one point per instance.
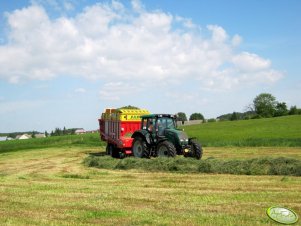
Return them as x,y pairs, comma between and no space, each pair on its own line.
236,40
80,90
68,5
218,33
60,6
250,62
115,91
137,5
109,42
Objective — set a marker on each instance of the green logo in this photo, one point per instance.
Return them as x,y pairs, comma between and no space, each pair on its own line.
282,215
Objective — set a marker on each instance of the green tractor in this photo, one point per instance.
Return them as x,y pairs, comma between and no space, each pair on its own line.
159,136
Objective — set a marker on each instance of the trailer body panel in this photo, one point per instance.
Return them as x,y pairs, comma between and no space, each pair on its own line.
116,127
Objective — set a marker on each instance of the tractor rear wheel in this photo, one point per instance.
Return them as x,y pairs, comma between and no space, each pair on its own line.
140,149
196,150
166,149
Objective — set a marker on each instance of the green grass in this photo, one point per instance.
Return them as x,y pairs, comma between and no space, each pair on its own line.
52,187
90,140
281,131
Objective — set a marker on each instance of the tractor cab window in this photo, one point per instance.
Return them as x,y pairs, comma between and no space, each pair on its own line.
144,122
170,123
165,123
150,125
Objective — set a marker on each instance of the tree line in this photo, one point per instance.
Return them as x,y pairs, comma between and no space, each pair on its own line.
62,132
55,132
264,105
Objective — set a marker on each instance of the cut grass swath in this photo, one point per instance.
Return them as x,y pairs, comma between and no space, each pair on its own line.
255,166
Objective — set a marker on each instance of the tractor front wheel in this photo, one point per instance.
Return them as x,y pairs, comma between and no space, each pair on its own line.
196,150
166,149
140,149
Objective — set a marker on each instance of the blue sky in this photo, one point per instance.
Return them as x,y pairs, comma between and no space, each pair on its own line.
63,62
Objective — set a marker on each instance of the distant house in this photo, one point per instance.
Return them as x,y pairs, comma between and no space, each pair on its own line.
3,138
23,137
92,131
40,135
80,131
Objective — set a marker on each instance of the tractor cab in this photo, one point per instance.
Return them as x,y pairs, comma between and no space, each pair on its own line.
157,123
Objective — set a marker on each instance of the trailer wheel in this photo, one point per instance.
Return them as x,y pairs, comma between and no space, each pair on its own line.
140,149
166,149
112,151
196,149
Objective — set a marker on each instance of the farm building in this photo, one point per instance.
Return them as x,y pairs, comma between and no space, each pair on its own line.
3,138
188,123
80,131
23,137
40,135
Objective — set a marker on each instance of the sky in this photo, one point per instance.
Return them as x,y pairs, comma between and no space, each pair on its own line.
62,62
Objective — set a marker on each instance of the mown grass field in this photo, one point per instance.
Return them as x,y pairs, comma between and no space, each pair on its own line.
44,182
51,186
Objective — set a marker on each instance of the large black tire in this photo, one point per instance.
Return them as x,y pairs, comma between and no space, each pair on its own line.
166,149
196,150
112,151
140,149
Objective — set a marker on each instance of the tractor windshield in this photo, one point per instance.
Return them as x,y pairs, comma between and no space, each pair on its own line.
165,123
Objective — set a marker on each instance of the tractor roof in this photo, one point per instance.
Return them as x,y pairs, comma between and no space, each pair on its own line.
158,116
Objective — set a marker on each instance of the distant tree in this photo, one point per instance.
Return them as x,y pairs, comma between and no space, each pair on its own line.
281,109
294,111
265,105
65,131
57,132
46,134
72,131
234,116
181,116
248,115
211,120
196,116
224,117
33,134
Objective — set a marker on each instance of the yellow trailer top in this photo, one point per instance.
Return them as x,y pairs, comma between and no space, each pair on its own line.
124,114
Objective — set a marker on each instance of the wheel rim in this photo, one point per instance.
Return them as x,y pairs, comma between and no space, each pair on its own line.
137,149
163,151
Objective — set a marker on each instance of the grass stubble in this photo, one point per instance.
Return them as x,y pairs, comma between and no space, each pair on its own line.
52,187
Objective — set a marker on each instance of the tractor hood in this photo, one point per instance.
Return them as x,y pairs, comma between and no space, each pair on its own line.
177,137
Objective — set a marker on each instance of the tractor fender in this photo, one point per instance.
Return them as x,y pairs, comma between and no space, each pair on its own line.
143,134
190,139
161,140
